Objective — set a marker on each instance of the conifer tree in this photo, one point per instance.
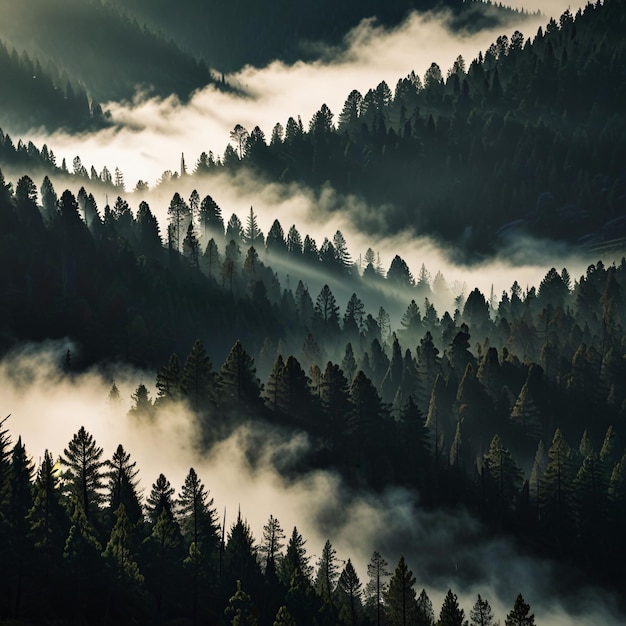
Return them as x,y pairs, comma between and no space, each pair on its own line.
168,381
197,381
122,485
118,550
270,550
481,613
451,614
240,610
84,474
400,601
425,612
349,586
295,559
327,573
505,474
520,614
20,501
161,498
240,562
237,376
376,587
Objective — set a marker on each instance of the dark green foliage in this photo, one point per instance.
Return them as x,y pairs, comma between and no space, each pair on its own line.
198,379
295,559
237,380
377,585
85,473
240,563
400,601
122,486
349,591
481,613
520,614
240,610
451,614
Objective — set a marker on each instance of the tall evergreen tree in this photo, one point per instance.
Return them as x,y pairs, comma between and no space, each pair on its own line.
197,381
327,574
376,587
350,590
451,614
400,600
295,559
481,613
85,472
520,614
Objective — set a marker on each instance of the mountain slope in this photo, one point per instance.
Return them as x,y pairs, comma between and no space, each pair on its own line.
230,35
110,54
530,138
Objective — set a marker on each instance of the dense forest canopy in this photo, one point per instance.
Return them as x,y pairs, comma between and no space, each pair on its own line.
477,435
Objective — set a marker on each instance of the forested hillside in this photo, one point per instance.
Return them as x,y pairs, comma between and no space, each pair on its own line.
504,411
81,547
528,138
96,49
484,404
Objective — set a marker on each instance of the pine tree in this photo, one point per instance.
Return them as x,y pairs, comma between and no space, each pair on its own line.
400,601
556,487
161,498
520,614
481,613
179,216
240,561
168,381
349,586
122,485
252,235
237,377
142,405
348,363
82,558
270,550
118,550
198,379
20,501
425,612
295,559
198,521
84,474
506,476
240,610
327,573
451,614
376,587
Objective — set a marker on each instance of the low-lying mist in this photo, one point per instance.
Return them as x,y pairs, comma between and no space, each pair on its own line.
151,133
445,549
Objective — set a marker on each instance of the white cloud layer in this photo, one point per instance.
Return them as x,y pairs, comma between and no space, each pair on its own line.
156,131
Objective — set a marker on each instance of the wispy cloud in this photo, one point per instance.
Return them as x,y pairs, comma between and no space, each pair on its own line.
443,548
151,133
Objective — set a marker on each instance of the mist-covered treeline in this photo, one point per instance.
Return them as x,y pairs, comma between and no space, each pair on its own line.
527,138
80,544
36,98
512,405
93,46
